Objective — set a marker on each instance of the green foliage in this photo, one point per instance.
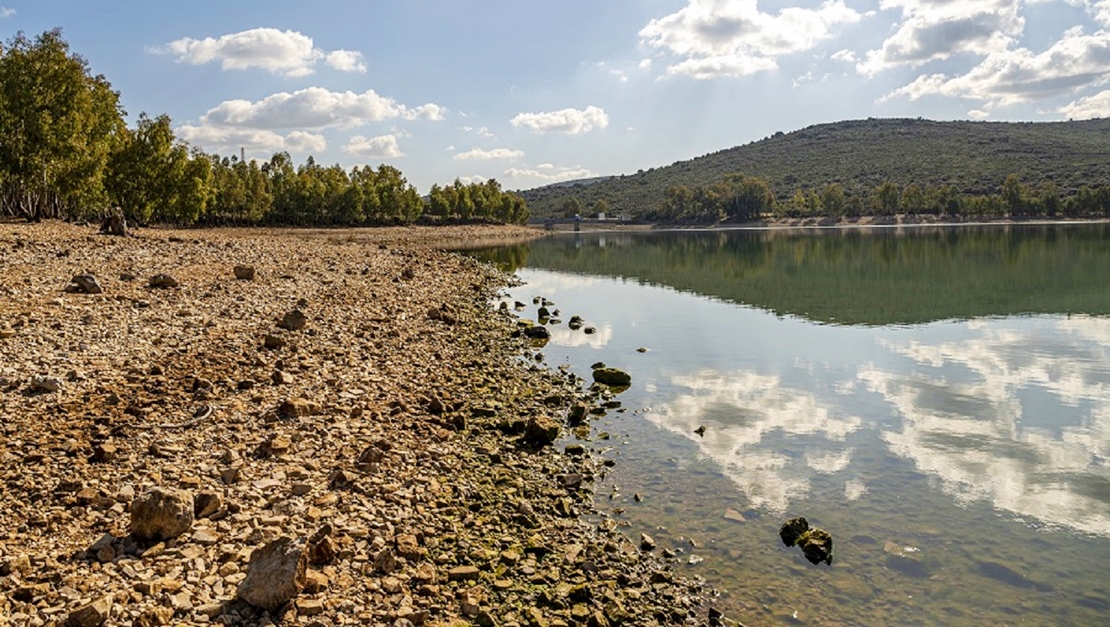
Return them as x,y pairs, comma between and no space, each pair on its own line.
59,125
972,158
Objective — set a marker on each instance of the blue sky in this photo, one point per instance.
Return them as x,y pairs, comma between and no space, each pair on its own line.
531,93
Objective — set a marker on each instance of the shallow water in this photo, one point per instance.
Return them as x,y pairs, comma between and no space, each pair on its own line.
937,399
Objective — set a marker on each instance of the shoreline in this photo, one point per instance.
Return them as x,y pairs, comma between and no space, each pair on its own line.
396,437
908,221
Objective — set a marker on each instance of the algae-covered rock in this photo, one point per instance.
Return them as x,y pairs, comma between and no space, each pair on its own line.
793,529
612,377
817,546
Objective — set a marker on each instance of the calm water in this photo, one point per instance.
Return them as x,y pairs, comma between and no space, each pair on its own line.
938,400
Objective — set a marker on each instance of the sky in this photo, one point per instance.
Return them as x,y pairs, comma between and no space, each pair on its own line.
533,93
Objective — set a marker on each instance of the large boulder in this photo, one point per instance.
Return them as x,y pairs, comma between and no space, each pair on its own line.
161,514
612,377
275,575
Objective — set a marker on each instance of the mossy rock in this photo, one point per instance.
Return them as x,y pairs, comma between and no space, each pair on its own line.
612,377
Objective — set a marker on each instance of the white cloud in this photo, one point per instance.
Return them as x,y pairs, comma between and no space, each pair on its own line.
978,114
282,52
847,56
1075,62
938,29
716,38
470,180
315,107
384,146
645,64
496,153
544,173
223,140
6,12
346,61
570,121
1096,106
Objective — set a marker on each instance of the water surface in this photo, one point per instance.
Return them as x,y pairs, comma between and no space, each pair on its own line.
937,399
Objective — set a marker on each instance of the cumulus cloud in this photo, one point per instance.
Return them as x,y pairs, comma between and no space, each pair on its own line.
281,52
384,146
496,153
223,139
718,38
346,61
847,56
549,174
938,29
570,121
316,108
1096,106
1075,62
6,12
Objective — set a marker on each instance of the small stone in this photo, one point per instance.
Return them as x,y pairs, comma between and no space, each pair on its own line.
207,503
104,452
647,543
84,284
294,320
275,575
792,530
273,342
612,377
298,408
46,384
280,377
93,614
244,273
734,516
162,281
315,582
161,514
309,607
462,573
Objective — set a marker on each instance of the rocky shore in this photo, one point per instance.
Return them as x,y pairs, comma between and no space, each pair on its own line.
253,427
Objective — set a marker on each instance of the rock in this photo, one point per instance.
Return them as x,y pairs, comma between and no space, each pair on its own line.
577,413
589,330
817,546
84,284
735,516
155,617
46,384
280,377
908,560
543,313
275,574
294,320
575,323
462,573
273,342
700,430
408,547
536,332
612,377
244,273
207,503
541,431
575,450
104,452
647,543
793,529
162,281
93,614
114,224
161,514
298,408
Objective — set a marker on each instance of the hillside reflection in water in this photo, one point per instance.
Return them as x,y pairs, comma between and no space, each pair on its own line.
864,409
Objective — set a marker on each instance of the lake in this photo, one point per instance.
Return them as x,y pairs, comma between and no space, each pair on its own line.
938,399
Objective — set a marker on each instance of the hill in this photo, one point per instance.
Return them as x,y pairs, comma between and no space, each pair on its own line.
974,157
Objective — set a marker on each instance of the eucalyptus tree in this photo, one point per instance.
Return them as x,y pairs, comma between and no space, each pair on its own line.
58,126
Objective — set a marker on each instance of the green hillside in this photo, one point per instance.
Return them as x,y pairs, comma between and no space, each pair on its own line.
973,157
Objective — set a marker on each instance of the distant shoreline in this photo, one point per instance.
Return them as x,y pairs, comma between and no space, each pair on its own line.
865,222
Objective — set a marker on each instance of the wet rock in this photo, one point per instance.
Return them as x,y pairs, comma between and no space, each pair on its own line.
700,430
161,514
612,377
536,332
275,574
243,272
817,546
793,529
647,543
162,281
908,560
84,284
294,320
92,614
576,323
735,516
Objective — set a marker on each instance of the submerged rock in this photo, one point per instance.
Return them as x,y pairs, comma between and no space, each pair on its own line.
612,377
816,544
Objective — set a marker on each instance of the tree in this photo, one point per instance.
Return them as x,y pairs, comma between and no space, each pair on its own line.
834,200
571,207
59,125
151,175
886,199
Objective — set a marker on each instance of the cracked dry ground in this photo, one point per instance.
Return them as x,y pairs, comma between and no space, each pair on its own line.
397,465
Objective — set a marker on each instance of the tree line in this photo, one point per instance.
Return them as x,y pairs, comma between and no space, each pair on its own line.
67,152
740,198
